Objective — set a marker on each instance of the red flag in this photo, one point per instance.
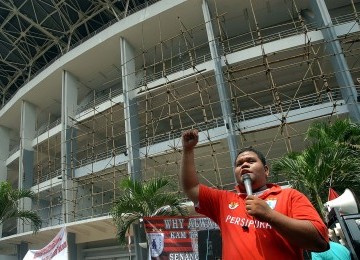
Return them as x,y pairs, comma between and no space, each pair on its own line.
332,194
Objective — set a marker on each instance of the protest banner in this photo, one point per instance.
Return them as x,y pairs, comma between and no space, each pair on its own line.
57,249
172,238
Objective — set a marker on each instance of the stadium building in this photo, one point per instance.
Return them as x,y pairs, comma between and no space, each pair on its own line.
96,91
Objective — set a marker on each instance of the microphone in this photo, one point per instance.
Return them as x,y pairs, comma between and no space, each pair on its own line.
247,182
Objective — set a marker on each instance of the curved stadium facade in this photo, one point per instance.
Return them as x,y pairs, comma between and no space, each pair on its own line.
111,101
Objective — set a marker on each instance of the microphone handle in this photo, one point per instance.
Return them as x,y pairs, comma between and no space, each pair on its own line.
248,188
247,183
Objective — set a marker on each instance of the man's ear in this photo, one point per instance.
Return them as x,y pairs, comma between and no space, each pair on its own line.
266,168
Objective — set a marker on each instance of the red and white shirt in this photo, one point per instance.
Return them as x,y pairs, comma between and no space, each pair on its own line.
244,237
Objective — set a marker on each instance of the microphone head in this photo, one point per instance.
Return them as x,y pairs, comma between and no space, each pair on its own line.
245,177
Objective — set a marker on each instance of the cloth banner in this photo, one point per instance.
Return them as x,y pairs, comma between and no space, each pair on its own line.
57,249
332,194
171,238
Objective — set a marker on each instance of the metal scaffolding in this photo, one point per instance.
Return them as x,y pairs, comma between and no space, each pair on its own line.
283,83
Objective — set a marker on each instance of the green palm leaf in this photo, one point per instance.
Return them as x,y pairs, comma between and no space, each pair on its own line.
331,159
144,199
9,206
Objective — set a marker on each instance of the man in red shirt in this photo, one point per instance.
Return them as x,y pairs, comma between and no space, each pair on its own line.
273,223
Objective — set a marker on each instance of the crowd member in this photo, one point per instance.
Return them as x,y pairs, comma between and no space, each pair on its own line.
273,223
336,252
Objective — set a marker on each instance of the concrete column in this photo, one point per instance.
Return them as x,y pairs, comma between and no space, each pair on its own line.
337,58
222,88
27,135
4,154
130,109
4,151
68,144
26,160
22,250
131,125
72,250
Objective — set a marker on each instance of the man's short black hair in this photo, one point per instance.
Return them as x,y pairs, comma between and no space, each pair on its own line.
252,149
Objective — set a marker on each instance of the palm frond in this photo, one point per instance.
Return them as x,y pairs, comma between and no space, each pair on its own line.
329,159
9,209
144,199
30,217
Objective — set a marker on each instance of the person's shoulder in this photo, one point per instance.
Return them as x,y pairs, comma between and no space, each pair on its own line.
219,194
294,192
215,189
285,190
273,187
338,247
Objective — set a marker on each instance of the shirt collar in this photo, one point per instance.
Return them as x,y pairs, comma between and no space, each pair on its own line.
271,188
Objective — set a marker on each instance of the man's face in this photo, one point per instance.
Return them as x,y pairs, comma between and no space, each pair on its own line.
248,162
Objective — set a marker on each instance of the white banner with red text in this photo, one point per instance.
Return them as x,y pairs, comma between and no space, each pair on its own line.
57,249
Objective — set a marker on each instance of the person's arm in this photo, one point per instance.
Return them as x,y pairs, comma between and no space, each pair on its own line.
301,233
189,180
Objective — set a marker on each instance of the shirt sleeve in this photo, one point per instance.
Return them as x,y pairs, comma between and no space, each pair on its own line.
209,202
301,208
